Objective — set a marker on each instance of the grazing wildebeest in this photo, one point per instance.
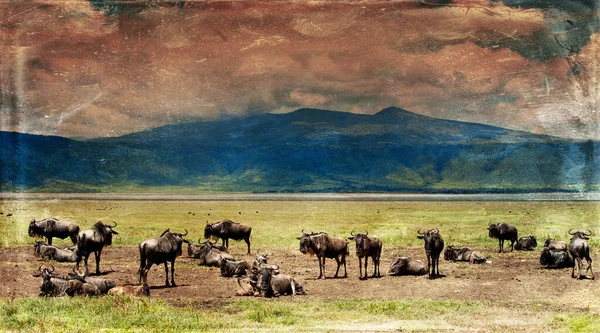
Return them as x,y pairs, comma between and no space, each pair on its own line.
434,245
141,290
227,229
555,258
271,285
94,240
502,232
556,245
234,268
579,249
463,254
367,246
406,266
59,255
161,250
526,243
194,250
52,227
211,256
55,285
324,246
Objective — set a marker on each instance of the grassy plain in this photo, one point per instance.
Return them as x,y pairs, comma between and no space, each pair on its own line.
276,224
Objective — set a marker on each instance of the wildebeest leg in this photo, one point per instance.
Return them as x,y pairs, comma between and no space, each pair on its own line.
589,261
173,274
437,266
573,268
579,265
74,239
97,255
49,240
339,263
247,240
429,268
145,271
512,245
500,245
321,267
344,261
166,275
360,268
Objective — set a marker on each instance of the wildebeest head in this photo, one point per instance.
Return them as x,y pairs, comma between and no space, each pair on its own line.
580,234
208,230
305,242
47,286
264,285
362,242
106,230
545,257
36,229
37,248
532,240
493,230
178,238
433,240
449,253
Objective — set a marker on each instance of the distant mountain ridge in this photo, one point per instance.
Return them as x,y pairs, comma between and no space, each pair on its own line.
308,150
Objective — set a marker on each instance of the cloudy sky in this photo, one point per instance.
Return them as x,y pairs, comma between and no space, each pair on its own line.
79,69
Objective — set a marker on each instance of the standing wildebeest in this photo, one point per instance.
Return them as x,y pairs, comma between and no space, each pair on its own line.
503,232
94,240
161,250
434,244
367,247
555,258
227,229
324,246
50,228
556,245
579,250
526,243
406,266
463,254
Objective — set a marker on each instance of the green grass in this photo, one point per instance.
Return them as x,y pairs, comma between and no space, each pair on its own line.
134,314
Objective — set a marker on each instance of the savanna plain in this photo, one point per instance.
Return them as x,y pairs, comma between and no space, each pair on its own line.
512,292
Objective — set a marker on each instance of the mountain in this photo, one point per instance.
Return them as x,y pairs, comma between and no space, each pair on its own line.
308,150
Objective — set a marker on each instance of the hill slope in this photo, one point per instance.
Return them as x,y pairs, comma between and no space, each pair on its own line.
308,151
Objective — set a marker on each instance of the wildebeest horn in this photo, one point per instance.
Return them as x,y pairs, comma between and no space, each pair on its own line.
40,268
419,232
437,230
114,226
52,268
186,232
589,233
366,232
570,233
352,233
199,240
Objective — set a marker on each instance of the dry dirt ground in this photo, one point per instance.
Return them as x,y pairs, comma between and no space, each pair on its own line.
512,278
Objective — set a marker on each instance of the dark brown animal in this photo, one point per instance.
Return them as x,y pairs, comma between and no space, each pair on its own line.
551,258
526,243
93,241
161,250
228,229
271,285
579,250
502,232
434,245
406,266
194,250
230,268
324,246
51,228
367,246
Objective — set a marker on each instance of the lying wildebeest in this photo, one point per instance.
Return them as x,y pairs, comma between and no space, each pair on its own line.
51,227
271,285
194,250
556,245
227,229
526,243
141,290
463,254
161,250
55,285
39,248
502,232
94,240
579,250
324,246
434,245
211,256
555,258
248,285
367,246
406,266
260,260
59,255
230,268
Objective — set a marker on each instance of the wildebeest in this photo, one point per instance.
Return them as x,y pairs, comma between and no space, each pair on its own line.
324,246
463,254
270,285
367,246
551,258
260,260
434,245
231,268
141,290
51,228
211,256
502,232
579,250
406,266
94,240
59,255
39,248
55,285
161,250
556,245
526,243
227,229
194,250
248,286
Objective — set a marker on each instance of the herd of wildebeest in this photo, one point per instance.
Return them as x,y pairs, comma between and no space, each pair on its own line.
258,278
